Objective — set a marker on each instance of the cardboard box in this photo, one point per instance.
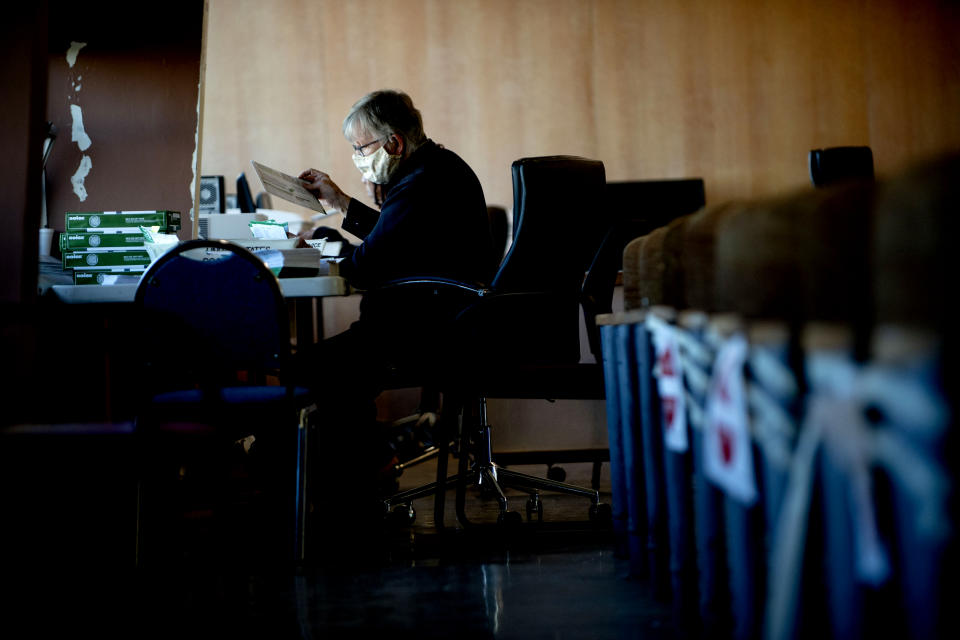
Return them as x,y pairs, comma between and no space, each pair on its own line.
70,242
106,277
100,259
168,221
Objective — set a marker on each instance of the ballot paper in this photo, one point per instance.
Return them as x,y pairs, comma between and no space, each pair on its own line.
268,230
325,247
287,187
296,263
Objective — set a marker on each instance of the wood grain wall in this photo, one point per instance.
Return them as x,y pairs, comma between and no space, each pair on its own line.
735,91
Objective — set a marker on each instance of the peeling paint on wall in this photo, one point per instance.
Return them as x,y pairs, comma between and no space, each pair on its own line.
73,51
78,135
194,160
77,179
77,132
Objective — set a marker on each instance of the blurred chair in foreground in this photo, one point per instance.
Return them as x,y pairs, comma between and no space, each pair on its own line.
214,390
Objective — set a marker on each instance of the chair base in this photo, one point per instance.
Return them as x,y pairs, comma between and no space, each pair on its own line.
550,458
553,457
494,479
490,477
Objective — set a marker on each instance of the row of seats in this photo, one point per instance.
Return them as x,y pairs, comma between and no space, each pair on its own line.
859,252
780,425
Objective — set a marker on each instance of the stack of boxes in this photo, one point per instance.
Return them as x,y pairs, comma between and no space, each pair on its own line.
100,246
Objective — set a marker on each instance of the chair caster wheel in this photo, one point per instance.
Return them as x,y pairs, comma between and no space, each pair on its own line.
601,514
557,474
510,519
402,515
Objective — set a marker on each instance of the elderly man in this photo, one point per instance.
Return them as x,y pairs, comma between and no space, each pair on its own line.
433,218
432,222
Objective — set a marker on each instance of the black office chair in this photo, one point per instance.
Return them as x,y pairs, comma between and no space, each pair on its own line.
638,207
245,200
634,209
840,164
519,338
216,345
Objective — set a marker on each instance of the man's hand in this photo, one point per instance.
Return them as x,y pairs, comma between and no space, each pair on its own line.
375,191
319,184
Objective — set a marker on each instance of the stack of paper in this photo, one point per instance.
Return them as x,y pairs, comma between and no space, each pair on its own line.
297,263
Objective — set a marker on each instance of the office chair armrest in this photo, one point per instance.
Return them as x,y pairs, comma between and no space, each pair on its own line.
438,284
419,300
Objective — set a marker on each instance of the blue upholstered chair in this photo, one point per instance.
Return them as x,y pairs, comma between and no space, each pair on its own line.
215,349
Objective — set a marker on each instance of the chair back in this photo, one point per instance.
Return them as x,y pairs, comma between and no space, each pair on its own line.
215,309
840,164
635,208
532,315
555,230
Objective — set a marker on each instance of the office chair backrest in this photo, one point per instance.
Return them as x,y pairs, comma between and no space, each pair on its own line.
244,196
637,208
533,316
555,230
648,204
213,309
840,164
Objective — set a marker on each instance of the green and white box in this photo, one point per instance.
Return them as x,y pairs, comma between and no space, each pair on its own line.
101,220
85,241
107,277
100,259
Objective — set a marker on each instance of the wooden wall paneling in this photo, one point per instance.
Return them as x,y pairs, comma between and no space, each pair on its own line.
265,90
640,81
495,90
835,44
734,91
469,98
912,79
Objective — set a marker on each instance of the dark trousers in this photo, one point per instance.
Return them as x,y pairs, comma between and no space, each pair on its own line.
347,372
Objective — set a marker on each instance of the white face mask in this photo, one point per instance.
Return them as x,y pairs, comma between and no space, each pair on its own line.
377,167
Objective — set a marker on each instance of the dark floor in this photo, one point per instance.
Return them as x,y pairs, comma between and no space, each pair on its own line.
559,579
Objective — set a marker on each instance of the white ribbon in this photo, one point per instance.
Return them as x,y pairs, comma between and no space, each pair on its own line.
835,419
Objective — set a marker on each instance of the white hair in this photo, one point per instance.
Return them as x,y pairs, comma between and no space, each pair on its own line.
383,113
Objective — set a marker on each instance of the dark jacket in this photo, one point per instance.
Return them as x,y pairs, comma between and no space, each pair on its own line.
433,222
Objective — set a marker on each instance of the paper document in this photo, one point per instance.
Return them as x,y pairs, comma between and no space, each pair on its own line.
326,248
287,187
296,263
268,230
